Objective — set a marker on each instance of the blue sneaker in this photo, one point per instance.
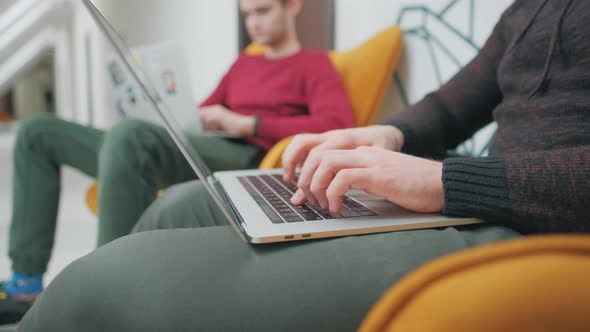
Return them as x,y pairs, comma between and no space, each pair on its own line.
23,287
11,309
17,296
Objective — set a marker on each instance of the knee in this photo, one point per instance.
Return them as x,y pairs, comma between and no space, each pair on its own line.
183,194
125,136
35,129
123,144
170,210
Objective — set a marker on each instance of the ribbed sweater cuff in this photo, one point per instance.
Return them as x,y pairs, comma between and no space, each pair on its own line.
476,187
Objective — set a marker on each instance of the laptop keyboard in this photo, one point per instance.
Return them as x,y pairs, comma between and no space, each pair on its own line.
273,195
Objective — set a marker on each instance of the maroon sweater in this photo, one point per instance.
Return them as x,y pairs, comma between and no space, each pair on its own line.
301,93
532,77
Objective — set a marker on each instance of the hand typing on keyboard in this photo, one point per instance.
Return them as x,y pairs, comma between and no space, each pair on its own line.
329,170
386,137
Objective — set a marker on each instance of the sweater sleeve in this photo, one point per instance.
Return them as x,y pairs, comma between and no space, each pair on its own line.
545,191
463,105
219,95
328,104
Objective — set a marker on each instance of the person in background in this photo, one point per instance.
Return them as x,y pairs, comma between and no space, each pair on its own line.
261,99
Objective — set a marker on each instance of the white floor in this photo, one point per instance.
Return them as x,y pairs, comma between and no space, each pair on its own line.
76,235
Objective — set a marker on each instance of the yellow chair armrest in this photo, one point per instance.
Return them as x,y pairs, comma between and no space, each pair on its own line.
529,284
272,159
92,198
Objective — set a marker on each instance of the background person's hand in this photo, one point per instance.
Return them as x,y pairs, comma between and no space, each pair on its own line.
305,146
410,182
218,117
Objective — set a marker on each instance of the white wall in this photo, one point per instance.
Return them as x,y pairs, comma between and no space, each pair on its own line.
356,21
30,29
207,30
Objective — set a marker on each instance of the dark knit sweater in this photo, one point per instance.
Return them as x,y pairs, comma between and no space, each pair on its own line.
533,78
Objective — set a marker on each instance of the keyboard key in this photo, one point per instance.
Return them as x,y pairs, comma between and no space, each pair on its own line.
348,213
368,213
294,219
327,215
311,216
268,210
302,209
351,203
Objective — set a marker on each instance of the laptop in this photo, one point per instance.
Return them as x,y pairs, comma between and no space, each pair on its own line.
256,202
165,65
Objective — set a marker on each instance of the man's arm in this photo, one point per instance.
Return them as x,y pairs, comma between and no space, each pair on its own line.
328,104
545,191
216,116
462,106
219,95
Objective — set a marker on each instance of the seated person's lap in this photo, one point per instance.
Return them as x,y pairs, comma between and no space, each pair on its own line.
223,283
185,205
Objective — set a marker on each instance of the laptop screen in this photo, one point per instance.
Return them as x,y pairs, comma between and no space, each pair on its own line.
170,123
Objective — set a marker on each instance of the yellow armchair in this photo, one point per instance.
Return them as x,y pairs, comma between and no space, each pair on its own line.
529,284
366,73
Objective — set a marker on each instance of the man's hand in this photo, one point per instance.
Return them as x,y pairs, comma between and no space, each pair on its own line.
410,182
217,117
304,146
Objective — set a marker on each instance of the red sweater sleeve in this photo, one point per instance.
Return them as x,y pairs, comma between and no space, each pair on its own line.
219,95
329,106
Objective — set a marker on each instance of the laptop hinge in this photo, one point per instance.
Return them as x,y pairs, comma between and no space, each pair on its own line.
232,209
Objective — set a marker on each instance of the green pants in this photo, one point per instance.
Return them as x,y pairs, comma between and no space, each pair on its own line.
132,162
207,279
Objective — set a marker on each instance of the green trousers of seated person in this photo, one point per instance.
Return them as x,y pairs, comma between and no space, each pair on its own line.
132,162
204,278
